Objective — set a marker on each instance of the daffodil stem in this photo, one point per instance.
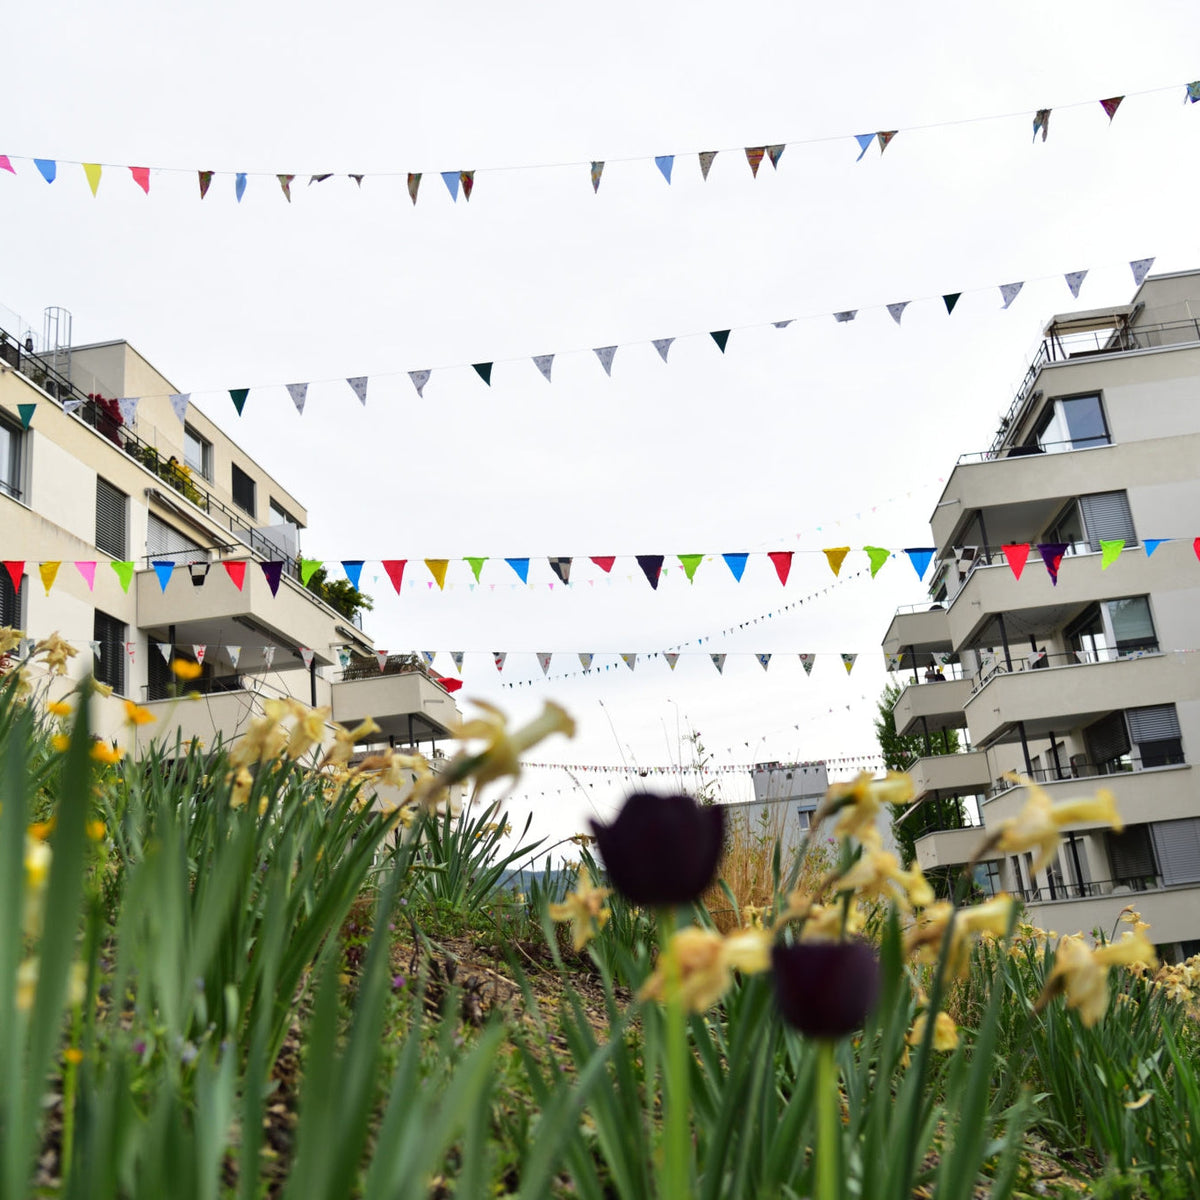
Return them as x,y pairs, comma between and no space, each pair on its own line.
829,1117
676,1173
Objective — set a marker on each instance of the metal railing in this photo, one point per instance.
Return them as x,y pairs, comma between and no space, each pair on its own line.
212,685
396,664
1040,660
1086,770
1057,889
994,454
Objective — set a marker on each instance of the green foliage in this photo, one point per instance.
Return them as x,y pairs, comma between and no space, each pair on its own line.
340,594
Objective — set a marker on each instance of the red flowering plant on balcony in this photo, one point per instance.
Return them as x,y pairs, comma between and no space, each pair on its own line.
108,416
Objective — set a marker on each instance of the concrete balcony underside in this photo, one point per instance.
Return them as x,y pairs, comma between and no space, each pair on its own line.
950,774
409,707
951,847
1173,913
1060,698
932,706
919,631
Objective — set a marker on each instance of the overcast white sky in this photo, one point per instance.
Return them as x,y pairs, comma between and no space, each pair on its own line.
817,435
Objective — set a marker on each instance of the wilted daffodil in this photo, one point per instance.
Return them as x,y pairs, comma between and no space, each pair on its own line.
825,989
339,754
662,850
501,753
243,781
1081,971
703,962
878,873
585,909
924,937
57,652
308,730
861,801
10,639
1039,823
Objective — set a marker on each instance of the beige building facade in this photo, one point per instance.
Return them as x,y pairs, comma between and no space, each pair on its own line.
1093,679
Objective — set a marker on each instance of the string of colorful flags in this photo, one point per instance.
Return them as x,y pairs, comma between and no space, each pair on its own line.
462,182
685,769
544,363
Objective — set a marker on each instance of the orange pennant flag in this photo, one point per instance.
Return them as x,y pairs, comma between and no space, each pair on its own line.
437,568
836,556
48,572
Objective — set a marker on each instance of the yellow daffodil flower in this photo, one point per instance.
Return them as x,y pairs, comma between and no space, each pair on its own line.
700,963
57,652
878,873
308,731
945,1032
10,639
38,856
394,769
924,937
339,754
106,753
1081,971
102,689
243,781
1039,822
58,708
262,740
135,714
584,908
861,801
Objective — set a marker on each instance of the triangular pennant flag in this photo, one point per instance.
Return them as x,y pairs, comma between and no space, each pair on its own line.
672,659
419,380
706,161
395,571
450,179
597,171
165,649
1140,268
836,556
234,653
807,660
87,569
199,652
630,660
358,385
782,559
476,566
206,178
381,657
353,568
127,405
97,650
1193,92
544,362
25,412
864,141
1009,291
1017,556
238,396
239,186
885,136
585,660
344,656
1153,544
92,171
651,565
6,165
1110,551
299,394
457,656
521,566
285,182
920,559
1041,121
484,371
236,572
179,405
775,153
124,572
48,168
848,662
892,661
950,300
1196,547
561,566
718,661
605,355
306,657
721,337
272,572
754,156
357,180
437,568
467,179
48,572
896,311
131,650
878,556
764,660
842,317
1111,105
662,345
604,562
544,661
690,563
665,162
498,657
321,178
414,182
268,656
429,656
1075,281
736,564
70,405
1052,555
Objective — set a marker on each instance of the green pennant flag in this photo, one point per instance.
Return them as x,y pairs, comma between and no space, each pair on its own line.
308,566
124,572
1110,551
878,556
476,566
238,396
26,411
484,371
690,563
951,300
721,337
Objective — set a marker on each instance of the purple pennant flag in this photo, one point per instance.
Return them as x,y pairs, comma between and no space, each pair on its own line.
896,311
651,565
1052,555
273,572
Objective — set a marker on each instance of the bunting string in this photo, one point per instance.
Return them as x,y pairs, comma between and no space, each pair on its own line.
684,769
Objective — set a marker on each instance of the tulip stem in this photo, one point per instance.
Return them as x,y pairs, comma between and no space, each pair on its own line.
676,1176
829,1117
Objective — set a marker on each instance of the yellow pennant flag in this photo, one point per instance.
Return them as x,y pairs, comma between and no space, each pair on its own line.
437,568
836,556
48,572
92,171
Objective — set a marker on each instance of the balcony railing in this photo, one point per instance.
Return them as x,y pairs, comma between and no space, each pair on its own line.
1040,660
396,664
214,685
1086,770
994,454
1057,889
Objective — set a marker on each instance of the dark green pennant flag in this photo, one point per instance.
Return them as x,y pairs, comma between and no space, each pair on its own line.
720,336
238,396
484,371
951,300
26,411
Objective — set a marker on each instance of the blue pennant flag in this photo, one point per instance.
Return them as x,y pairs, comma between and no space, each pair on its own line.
736,563
239,186
163,570
353,568
521,566
48,168
920,559
1153,544
450,179
665,162
864,141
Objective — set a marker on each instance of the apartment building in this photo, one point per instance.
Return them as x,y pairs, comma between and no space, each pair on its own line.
1091,679
93,481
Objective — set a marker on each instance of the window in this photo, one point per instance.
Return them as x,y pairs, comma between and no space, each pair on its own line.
280,515
1155,732
1132,857
1106,516
11,438
164,542
1072,423
112,517
1107,741
11,599
243,490
197,452
110,662
1177,844
1113,629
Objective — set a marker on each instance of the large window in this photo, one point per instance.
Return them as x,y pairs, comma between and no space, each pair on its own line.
165,542
112,520
1113,629
243,490
1090,520
11,601
197,452
1073,423
109,665
11,439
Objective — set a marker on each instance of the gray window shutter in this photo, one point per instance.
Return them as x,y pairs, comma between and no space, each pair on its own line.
1154,724
1107,738
164,542
1178,846
1106,516
111,519
1131,854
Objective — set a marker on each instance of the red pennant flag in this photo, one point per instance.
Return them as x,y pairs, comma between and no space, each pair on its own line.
395,571
237,572
1196,547
783,563
1017,557
451,685
17,569
605,563
141,176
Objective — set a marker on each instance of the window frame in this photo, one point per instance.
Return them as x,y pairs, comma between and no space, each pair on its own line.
110,669
204,466
1053,414
122,554
12,473
234,472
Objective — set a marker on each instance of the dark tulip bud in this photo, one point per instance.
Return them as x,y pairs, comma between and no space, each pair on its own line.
825,989
662,850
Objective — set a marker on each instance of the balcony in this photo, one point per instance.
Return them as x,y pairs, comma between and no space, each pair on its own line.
403,700
918,629
932,706
1173,913
963,774
950,847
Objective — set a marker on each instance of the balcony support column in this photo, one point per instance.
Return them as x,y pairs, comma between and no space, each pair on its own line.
312,682
1058,773
1004,643
925,729
912,650
1025,749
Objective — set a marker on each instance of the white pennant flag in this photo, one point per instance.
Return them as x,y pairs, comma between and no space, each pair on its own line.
544,662
382,657
269,657
848,315
419,380
672,659
848,662
457,656
198,651
128,408
1140,268
130,648
605,355
896,311
663,345
498,657
69,405
544,362
586,661
306,656
718,661
1075,281
764,660
97,649
164,648
179,402
630,660
1009,292
358,385
234,652
892,660
807,660
299,394
428,656
344,656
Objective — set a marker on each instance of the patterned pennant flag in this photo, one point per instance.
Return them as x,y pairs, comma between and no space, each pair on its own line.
1052,555
299,395
604,562
585,660
127,405
892,661
164,571
561,566
718,661
605,354
543,658
848,662
164,648
630,660
419,380
48,572
233,653
97,649
878,556
1041,121
736,564
764,660
1193,92
754,156
484,371
1017,556
721,337
864,141
544,362
1110,551
597,171
662,345
47,168
92,171
782,560
381,657
836,556
920,559
664,162
395,571
672,659
321,178
353,568
199,652
690,562
521,566
206,178
238,396
131,650
775,153
124,572
306,656
1009,292
950,300
437,568
896,311
88,570
843,317
1140,268
239,186
268,657
70,405
358,385
706,162
141,176
885,136
651,565
272,572
1075,281
236,572
450,179
285,182
179,405
467,179
1111,105
476,565
498,658
414,182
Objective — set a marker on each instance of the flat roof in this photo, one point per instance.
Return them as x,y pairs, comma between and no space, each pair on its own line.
1090,319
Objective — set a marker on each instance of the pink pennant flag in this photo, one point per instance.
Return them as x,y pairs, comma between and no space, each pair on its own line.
141,176
5,165
88,571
